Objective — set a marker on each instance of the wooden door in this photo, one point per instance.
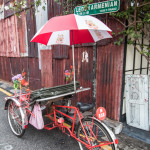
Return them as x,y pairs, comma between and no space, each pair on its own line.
137,101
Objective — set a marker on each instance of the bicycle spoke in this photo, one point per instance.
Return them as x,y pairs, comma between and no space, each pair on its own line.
99,140
15,119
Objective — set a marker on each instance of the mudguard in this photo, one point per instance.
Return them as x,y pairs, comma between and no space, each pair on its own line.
7,99
22,110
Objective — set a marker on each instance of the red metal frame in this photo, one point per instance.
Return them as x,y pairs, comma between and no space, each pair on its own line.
24,101
61,126
24,98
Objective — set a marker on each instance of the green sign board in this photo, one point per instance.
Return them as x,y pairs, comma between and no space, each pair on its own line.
98,8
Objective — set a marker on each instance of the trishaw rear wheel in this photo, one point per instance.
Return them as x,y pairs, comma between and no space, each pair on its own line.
96,134
15,119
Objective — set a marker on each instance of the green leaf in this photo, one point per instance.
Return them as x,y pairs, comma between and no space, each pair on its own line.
113,33
119,41
16,85
43,7
85,7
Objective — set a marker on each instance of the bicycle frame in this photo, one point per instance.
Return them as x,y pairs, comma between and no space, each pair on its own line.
62,126
22,101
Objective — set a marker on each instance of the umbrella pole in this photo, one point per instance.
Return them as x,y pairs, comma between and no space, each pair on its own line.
73,68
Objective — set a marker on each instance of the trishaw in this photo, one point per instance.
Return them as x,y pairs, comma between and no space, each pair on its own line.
55,103
90,132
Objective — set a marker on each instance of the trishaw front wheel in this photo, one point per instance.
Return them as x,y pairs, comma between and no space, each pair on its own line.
95,135
15,119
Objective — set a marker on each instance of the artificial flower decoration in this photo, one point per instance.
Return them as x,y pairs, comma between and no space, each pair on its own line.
23,81
26,83
23,74
16,80
69,75
19,80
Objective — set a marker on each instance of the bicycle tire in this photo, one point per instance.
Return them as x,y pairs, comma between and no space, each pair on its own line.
103,135
15,119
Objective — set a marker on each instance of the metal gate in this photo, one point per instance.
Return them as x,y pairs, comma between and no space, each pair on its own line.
137,101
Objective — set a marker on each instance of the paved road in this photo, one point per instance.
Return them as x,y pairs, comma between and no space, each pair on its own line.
33,139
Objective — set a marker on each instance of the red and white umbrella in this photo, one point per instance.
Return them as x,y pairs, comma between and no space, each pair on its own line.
70,30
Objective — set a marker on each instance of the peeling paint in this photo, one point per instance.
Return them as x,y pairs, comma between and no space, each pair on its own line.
85,57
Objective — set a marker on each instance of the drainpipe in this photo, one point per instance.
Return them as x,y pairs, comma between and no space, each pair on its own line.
122,119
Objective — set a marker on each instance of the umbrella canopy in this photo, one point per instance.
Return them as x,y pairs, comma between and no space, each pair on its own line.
72,29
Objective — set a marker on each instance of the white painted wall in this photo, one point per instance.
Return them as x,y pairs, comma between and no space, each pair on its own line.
41,19
1,11
129,59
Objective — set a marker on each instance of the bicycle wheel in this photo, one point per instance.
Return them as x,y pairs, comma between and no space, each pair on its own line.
15,119
96,134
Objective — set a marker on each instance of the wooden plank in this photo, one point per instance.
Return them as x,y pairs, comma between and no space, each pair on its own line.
1,70
12,44
46,68
31,73
5,36
31,30
60,52
85,72
37,74
16,65
25,64
50,9
109,79
34,74
2,51
22,34
57,9
1,2
8,74
4,73
58,72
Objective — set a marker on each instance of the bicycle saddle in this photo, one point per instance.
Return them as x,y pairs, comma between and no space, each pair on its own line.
84,106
